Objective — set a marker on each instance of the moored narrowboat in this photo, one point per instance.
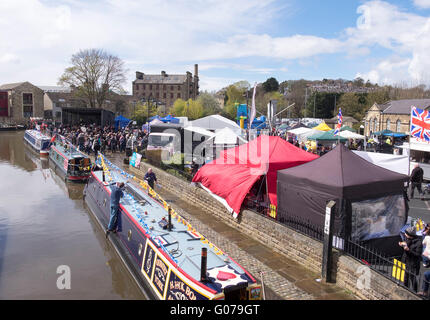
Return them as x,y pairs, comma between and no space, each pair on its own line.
72,164
38,141
169,258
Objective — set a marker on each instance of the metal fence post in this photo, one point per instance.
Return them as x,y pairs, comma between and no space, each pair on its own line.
328,242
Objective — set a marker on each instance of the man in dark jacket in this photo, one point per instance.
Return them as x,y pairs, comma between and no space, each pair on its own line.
150,178
412,251
416,179
115,196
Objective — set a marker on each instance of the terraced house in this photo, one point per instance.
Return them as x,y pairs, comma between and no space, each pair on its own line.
393,115
19,102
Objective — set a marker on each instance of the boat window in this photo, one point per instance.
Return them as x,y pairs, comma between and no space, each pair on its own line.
140,249
129,235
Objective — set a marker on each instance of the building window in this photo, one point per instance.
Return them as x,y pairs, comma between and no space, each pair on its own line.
143,86
374,125
150,87
398,123
171,95
164,95
179,95
27,105
27,98
179,88
171,88
388,124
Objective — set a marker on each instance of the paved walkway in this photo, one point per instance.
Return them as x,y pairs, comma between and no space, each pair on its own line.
283,278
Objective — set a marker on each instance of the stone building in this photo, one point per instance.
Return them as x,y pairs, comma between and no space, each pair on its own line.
346,121
393,115
166,88
19,102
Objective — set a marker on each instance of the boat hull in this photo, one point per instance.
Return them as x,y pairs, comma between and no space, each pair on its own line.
38,143
150,266
61,165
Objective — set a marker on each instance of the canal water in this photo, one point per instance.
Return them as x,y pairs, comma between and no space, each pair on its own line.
47,233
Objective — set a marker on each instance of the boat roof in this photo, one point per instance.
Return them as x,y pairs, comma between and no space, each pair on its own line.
71,152
183,243
38,134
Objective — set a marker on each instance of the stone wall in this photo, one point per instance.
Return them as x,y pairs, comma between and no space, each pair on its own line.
347,272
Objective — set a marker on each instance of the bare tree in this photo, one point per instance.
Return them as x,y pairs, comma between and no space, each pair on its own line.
94,74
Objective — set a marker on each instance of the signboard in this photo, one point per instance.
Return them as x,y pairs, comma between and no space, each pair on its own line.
160,275
179,290
133,159
148,262
327,220
137,160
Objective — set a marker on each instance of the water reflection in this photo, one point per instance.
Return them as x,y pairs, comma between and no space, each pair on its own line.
44,224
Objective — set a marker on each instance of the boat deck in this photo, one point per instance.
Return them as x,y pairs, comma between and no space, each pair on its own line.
182,244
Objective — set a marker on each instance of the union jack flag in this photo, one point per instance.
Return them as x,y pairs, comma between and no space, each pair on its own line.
420,124
339,123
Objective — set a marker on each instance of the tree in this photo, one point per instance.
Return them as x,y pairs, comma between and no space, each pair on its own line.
235,95
209,103
94,73
192,109
140,112
271,85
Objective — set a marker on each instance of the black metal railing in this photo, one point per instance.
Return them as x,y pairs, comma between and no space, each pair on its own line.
391,267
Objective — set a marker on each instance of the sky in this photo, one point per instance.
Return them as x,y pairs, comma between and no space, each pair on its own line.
386,42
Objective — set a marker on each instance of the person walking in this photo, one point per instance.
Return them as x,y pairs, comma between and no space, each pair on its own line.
416,180
150,178
115,196
411,257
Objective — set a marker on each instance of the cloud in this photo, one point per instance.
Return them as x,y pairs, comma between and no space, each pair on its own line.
404,34
40,36
423,4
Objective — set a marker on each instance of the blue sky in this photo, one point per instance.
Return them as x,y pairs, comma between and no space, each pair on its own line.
387,42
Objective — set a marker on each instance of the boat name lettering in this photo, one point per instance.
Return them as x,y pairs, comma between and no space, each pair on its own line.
181,291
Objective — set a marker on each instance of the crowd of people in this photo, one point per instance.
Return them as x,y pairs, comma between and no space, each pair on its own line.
92,139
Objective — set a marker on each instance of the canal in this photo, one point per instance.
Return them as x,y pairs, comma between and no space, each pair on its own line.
48,234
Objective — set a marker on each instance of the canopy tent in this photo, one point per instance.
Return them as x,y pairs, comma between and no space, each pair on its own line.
298,125
170,119
303,133
395,135
327,136
370,202
216,122
382,133
226,136
155,117
200,131
232,175
347,128
399,164
121,122
351,135
322,127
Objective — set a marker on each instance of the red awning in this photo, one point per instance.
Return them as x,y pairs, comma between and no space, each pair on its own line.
232,175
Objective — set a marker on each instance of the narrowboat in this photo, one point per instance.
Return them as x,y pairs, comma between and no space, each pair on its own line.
72,164
38,141
167,257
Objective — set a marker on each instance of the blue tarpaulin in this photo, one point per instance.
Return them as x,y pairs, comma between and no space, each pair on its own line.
170,119
121,122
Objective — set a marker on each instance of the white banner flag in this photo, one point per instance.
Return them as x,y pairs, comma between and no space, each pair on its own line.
253,111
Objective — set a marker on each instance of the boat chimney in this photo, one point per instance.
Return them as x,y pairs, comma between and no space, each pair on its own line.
203,268
170,218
